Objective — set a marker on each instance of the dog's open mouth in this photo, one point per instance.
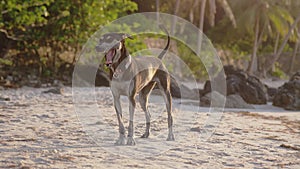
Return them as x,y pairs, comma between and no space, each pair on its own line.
110,56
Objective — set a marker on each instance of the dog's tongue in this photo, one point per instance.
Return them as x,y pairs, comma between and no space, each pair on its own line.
109,56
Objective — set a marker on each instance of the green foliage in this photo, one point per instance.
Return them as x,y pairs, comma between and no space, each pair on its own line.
192,61
279,73
136,44
43,29
56,26
6,62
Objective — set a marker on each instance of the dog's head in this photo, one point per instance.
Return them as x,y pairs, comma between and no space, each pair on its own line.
111,45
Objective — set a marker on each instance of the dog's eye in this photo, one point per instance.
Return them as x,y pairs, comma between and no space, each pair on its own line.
108,39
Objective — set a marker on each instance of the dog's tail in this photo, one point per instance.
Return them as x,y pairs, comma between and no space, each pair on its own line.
162,54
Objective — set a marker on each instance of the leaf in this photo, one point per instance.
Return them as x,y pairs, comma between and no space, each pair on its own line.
280,23
6,62
285,14
65,13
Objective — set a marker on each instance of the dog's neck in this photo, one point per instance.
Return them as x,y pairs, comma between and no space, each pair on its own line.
122,64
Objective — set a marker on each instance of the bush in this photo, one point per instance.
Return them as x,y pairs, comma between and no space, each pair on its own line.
43,29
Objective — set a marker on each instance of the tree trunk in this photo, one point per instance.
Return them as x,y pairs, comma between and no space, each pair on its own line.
157,12
201,23
276,48
212,12
294,57
264,69
175,18
253,59
191,14
259,59
286,38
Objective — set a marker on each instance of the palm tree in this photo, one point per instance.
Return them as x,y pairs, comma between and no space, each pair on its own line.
212,11
293,8
286,38
259,17
297,44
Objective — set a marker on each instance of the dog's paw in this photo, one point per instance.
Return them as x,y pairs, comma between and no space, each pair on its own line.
171,137
145,135
131,141
121,140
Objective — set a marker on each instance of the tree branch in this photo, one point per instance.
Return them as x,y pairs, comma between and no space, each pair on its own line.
9,36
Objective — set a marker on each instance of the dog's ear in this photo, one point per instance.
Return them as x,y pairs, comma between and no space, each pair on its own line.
125,35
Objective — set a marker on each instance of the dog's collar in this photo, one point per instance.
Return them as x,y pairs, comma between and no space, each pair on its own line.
118,71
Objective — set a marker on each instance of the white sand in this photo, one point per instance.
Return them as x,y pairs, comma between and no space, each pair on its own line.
40,130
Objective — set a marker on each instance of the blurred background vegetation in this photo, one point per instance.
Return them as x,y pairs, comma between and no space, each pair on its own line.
41,39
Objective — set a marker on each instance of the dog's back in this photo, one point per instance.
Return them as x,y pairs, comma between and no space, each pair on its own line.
144,62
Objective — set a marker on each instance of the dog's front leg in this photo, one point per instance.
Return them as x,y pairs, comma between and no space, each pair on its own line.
132,104
122,138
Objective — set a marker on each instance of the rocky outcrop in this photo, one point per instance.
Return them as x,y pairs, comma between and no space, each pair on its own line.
85,76
179,90
250,88
288,95
238,82
232,101
175,89
206,89
272,91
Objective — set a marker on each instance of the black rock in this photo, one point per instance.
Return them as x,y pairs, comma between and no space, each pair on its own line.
232,101
175,89
56,90
288,95
102,79
271,92
206,89
238,82
253,91
4,98
179,90
89,75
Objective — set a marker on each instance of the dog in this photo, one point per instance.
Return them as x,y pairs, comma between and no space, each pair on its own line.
131,76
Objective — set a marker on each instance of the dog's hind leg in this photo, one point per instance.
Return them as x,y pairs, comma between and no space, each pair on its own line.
168,100
122,138
143,98
164,86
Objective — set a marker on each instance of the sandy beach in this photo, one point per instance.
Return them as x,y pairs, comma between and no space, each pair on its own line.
47,130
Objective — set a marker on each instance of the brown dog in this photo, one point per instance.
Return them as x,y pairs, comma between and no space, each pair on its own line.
131,76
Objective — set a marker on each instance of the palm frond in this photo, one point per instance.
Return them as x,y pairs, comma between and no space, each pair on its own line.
228,11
